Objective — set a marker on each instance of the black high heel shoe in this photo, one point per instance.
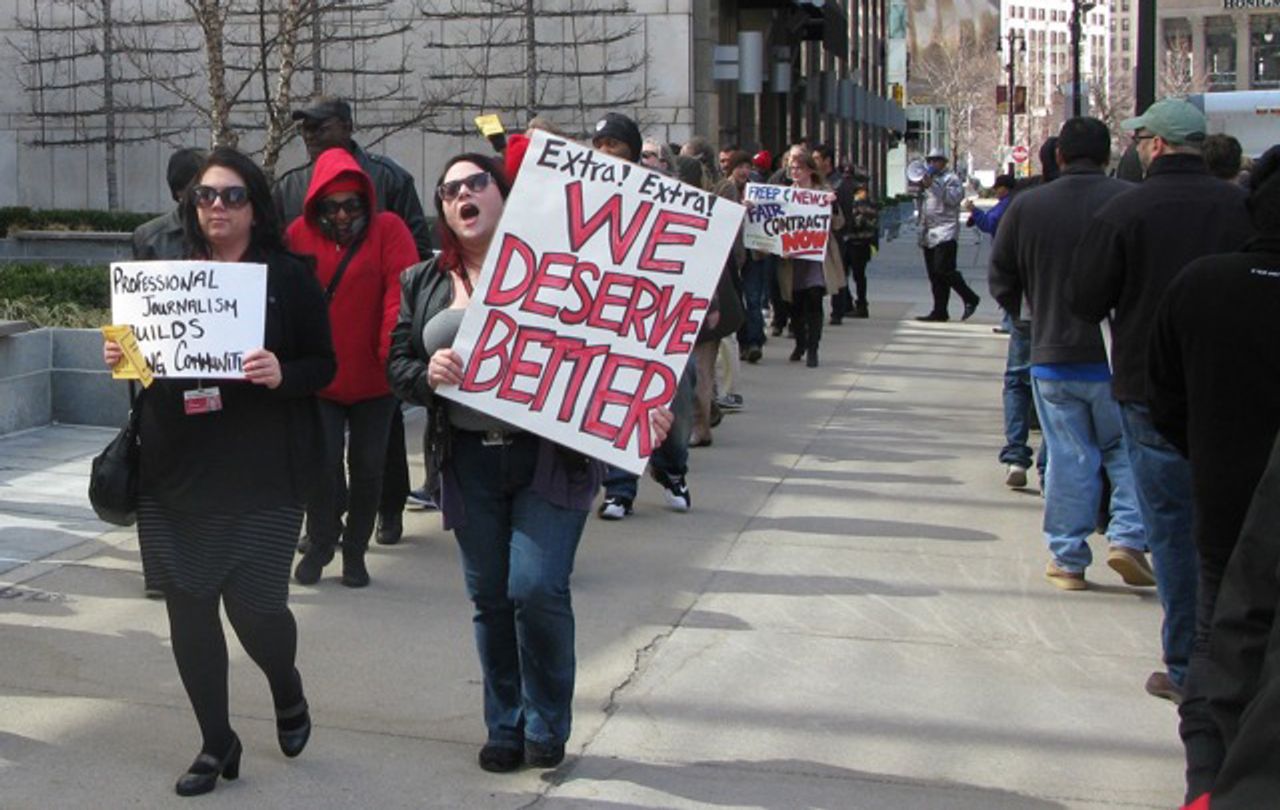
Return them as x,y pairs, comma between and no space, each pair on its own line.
293,728
202,776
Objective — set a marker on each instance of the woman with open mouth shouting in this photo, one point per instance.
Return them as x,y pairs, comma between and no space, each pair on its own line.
517,503
359,253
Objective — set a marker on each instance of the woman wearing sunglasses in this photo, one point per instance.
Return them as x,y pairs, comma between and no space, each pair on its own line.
221,491
516,503
359,253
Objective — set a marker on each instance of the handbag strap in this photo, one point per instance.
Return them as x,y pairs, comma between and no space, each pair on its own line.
342,266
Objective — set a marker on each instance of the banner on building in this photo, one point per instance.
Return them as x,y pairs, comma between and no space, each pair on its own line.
787,221
192,319
590,299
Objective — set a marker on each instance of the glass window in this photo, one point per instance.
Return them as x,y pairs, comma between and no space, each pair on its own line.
1220,52
1264,53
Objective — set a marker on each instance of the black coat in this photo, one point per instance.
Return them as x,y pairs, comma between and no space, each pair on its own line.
1135,246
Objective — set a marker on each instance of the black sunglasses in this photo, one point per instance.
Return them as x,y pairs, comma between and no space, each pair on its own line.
351,205
477,182
232,197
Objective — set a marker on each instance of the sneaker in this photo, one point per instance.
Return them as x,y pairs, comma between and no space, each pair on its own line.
675,490
1160,685
730,402
419,499
861,311
1132,566
537,755
754,354
716,416
1016,476
615,507
1066,580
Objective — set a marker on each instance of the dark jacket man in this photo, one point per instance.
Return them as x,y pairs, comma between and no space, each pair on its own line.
162,238
1138,242
327,124
1032,260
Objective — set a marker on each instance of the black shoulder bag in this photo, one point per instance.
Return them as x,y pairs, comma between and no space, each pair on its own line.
113,478
342,266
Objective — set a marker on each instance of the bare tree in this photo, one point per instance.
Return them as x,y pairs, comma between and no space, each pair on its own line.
82,91
961,74
1177,74
572,60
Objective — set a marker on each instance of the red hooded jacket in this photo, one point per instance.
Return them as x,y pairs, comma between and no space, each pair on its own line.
367,300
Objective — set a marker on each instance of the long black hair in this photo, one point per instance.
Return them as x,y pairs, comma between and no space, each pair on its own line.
450,255
265,235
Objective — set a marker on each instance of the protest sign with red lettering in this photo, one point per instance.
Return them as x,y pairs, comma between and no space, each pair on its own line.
787,221
590,299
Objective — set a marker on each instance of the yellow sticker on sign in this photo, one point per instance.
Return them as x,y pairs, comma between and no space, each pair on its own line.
133,366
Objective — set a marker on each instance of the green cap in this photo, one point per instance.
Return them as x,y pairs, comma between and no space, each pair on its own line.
1173,119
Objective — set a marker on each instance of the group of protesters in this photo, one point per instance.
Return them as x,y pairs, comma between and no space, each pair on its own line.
308,451
1160,437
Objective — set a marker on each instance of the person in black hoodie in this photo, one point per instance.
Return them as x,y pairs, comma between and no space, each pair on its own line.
1131,251
1213,387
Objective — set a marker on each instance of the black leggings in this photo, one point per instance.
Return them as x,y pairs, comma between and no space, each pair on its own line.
200,649
806,316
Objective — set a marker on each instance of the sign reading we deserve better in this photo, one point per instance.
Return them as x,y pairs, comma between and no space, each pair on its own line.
192,319
590,299
787,221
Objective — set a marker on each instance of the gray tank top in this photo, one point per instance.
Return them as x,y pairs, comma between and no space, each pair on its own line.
439,333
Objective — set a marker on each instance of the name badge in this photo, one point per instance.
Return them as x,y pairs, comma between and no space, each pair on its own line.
201,400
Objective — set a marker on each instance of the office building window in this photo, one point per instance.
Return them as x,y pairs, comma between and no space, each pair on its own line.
1264,51
1220,52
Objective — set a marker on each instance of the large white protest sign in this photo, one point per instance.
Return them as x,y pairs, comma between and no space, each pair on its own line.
787,221
590,299
192,319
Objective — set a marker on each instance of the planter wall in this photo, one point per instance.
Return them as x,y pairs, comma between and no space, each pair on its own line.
56,375
66,247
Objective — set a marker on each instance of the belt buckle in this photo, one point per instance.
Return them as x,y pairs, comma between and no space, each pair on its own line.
495,438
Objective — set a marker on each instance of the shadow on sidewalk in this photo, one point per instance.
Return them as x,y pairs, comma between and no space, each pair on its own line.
865,527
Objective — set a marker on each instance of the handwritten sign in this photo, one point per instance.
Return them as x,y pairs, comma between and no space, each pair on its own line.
787,221
192,319
590,299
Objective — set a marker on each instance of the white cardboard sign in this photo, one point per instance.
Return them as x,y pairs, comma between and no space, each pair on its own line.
787,221
192,319
590,299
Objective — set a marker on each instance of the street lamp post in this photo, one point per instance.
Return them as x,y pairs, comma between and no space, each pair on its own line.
1017,44
1079,8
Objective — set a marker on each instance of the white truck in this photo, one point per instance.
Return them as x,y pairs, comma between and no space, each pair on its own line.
1252,116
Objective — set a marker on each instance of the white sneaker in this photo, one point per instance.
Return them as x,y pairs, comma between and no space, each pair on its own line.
1016,477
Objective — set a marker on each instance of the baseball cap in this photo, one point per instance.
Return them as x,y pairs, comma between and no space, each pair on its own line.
937,154
1173,119
763,160
325,108
622,128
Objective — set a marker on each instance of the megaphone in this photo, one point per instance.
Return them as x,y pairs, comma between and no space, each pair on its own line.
917,170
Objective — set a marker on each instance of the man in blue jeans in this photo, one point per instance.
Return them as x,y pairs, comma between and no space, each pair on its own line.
1032,260
1133,248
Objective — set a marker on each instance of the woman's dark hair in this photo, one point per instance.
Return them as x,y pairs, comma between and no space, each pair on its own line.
450,250
265,234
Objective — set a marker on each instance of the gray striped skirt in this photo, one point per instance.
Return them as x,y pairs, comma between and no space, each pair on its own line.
246,557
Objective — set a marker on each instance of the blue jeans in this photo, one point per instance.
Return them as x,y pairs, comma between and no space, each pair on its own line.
1017,395
671,458
517,556
1163,480
755,286
1082,427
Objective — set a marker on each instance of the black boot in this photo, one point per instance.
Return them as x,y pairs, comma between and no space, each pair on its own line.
811,357
312,563
390,528
354,574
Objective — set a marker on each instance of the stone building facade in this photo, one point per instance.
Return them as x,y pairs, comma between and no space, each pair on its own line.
1221,45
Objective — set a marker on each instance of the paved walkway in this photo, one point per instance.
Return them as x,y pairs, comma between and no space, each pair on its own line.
852,616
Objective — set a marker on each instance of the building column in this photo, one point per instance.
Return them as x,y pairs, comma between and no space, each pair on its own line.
1244,52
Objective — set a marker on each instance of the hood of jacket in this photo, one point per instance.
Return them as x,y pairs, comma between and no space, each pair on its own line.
330,166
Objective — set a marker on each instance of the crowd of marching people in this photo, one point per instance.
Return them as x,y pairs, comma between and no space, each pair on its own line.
1141,333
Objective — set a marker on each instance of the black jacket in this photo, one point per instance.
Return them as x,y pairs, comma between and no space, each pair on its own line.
258,451
1033,257
1214,382
1135,246
394,187
1240,677
424,291
159,238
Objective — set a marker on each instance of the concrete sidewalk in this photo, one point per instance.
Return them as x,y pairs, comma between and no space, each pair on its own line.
852,616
